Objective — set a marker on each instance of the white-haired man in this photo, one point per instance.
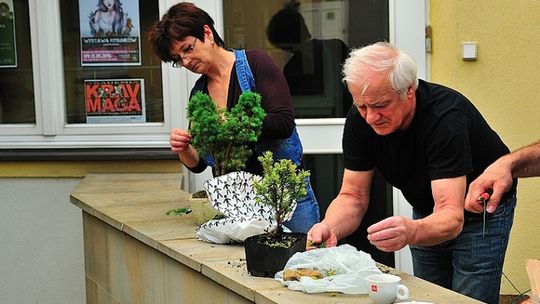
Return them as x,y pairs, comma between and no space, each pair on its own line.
430,142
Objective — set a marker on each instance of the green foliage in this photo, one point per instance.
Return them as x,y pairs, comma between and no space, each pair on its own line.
179,211
281,185
225,134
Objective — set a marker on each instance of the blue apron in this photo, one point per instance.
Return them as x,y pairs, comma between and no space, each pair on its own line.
306,213
289,148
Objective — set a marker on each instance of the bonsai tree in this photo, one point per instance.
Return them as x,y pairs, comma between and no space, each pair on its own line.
225,134
282,184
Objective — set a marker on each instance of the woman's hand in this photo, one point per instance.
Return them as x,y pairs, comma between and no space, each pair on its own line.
179,140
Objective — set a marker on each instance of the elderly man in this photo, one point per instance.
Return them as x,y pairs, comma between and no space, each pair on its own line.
430,142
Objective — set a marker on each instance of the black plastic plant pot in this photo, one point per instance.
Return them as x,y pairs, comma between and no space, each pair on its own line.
264,260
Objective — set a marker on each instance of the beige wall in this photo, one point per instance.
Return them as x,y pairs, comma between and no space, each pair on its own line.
44,229
63,169
504,84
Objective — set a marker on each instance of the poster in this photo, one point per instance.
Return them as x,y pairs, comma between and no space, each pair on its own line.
114,101
8,47
110,32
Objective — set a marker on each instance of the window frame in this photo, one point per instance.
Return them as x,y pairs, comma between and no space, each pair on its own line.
51,131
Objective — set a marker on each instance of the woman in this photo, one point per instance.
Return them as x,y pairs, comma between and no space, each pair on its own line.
186,37
108,20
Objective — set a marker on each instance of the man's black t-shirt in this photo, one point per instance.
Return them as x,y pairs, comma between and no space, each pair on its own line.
447,138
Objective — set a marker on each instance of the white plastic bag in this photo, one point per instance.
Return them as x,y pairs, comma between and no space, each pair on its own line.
344,270
234,196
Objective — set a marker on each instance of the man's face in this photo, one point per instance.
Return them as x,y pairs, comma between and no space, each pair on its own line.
382,107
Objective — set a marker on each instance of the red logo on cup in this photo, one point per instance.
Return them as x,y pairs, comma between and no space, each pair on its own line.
374,288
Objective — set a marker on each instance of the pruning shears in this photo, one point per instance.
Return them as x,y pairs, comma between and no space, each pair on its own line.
484,198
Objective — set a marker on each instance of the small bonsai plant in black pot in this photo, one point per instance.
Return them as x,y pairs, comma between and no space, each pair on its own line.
282,184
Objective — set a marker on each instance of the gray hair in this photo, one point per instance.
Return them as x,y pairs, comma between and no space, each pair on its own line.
381,57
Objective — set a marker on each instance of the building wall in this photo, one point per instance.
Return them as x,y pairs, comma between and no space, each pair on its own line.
504,84
41,256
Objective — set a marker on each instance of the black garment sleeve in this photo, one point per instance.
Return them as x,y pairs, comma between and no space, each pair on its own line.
276,98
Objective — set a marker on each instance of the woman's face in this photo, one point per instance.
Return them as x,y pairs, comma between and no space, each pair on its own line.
109,4
187,54
194,54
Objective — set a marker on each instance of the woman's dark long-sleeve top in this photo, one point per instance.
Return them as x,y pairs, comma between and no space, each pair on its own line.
276,101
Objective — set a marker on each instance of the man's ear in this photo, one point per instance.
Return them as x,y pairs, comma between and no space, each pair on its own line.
410,91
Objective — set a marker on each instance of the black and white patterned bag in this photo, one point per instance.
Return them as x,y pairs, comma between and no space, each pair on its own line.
234,196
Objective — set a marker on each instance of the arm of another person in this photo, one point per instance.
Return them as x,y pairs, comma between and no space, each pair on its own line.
524,162
445,223
346,211
276,97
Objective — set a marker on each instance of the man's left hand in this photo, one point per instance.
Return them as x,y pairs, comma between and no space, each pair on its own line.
391,234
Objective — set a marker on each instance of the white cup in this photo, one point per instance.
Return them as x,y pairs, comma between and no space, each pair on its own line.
385,288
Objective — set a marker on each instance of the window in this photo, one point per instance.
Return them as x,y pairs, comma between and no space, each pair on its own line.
16,74
309,41
43,95
75,74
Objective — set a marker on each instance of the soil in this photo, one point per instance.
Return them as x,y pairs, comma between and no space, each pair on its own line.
200,194
284,240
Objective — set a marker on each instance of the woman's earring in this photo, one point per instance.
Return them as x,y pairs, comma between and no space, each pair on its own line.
211,41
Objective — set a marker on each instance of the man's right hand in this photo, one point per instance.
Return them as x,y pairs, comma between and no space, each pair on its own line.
179,140
319,234
498,178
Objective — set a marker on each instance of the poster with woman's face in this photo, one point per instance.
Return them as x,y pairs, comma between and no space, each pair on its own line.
8,47
110,32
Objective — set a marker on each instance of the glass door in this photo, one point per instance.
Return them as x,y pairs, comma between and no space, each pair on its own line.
308,40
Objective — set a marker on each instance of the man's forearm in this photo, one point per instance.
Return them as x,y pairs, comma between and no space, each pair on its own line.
438,227
344,215
525,162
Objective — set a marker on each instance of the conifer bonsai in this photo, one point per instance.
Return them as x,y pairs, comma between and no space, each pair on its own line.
225,134
281,185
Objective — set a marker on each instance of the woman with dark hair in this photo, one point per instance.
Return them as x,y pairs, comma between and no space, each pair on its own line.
186,37
108,20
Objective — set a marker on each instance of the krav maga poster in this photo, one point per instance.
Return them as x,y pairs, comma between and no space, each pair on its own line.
114,101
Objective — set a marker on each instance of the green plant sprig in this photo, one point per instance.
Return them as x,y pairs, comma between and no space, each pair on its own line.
179,211
282,184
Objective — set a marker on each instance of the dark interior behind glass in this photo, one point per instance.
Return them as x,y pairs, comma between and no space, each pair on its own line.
16,83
